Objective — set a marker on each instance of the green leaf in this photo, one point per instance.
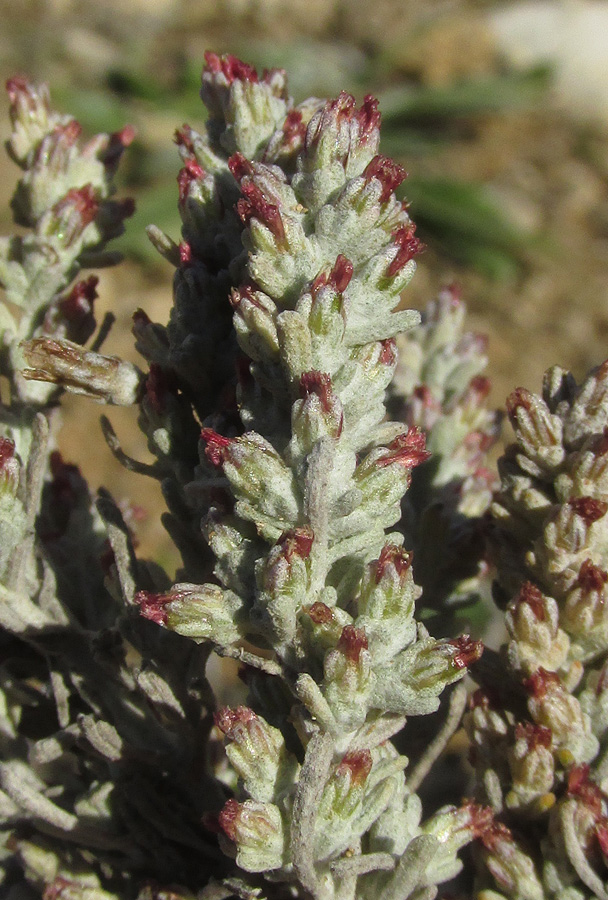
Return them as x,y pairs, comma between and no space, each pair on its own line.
402,104
461,218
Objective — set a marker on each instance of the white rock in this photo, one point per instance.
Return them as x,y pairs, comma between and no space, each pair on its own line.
571,36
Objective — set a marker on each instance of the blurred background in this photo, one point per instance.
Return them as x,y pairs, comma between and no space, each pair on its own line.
498,111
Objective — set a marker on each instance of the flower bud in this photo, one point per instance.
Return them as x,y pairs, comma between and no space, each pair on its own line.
537,431
454,828
532,769
31,118
406,247
386,603
12,512
68,219
414,679
317,415
254,323
585,610
340,142
257,751
72,316
387,172
284,580
512,869
9,467
264,486
575,529
323,625
552,706
104,378
533,623
349,678
248,107
342,804
385,473
199,611
256,835
588,413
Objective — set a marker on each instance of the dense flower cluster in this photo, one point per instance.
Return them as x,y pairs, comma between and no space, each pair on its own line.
538,722
439,387
312,529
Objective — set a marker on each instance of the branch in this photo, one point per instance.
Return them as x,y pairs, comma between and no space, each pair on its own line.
361,865
34,480
313,777
270,666
133,465
576,853
120,542
410,868
424,765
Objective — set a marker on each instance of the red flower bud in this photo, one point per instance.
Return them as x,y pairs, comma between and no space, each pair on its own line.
408,246
183,137
9,466
152,606
582,786
368,118
541,682
240,166
320,613
7,452
589,509
297,542
338,278
591,578
357,764
190,172
468,651
389,173
228,818
480,386
55,889
18,89
600,444
391,555
534,735
159,383
519,397
294,128
186,256
318,383
227,719
407,450
232,68
216,446
352,642
388,353
79,302
532,597
254,205
481,818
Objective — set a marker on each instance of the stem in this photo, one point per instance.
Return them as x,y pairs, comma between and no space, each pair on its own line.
424,765
313,779
34,480
270,666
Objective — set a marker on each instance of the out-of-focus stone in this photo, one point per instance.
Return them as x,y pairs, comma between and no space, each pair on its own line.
571,37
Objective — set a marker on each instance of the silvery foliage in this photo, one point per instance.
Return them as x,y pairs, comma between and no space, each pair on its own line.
264,408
